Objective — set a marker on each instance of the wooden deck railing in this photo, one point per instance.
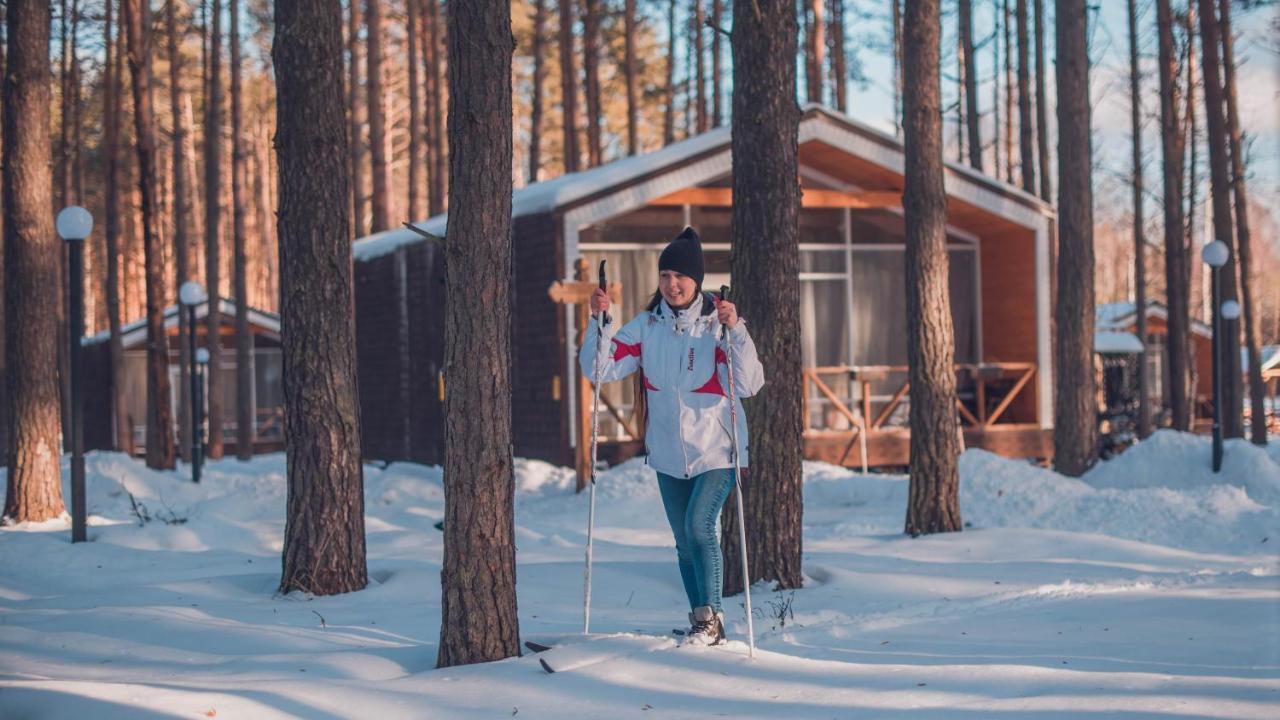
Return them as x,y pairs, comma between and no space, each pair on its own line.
983,375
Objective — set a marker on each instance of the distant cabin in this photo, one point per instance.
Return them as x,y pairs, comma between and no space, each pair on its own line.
853,316
267,386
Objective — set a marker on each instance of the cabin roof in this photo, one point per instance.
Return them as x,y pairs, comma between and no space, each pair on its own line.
558,194
134,333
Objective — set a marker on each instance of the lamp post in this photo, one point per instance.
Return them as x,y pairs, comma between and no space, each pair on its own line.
190,295
74,224
197,411
1215,255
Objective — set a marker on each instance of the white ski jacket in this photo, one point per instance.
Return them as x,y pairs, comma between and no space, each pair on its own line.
685,376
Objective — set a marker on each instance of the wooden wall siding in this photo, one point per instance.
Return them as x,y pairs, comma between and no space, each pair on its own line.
537,418
424,301
892,447
1009,309
378,358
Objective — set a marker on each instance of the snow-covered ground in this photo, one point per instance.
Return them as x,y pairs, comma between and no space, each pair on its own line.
1150,588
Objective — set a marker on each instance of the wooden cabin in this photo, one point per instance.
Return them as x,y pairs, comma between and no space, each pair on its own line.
852,293
267,386
1118,348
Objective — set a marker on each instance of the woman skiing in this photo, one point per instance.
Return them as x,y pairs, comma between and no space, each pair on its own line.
677,346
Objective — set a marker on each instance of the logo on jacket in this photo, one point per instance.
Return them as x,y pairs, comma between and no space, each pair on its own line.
690,359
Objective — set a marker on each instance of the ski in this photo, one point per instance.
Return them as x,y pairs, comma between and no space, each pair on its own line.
574,656
536,647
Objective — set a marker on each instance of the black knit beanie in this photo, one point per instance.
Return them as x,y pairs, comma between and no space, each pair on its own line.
684,255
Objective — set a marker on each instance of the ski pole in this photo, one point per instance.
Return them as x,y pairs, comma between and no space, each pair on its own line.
602,319
737,483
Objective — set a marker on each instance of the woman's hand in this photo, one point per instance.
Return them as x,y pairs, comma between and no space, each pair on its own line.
727,312
599,302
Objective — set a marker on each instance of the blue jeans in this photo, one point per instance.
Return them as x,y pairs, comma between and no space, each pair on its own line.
693,506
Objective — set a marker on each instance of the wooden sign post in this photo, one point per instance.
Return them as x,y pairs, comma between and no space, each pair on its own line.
578,293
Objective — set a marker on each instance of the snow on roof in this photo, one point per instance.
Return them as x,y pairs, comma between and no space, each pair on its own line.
548,195
1112,342
135,332
1120,316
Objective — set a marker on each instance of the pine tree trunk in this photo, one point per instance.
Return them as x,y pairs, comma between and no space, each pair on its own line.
77,125
1139,240
764,259
4,389
355,149
1257,392
1175,259
717,89
970,84
669,114
181,237
269,251
815,47
415,115
324,544
700,91
1026,138
539,78
380,199
160,445
66,196
933,503
1008,95
568,88
591,79
839,64
213,236
439,176
895,19
239,211
996,137
478,620
112,112
1042,108
629,71
31,249
1075,432
1220,195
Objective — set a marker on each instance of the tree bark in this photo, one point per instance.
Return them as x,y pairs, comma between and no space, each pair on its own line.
213,236
324,544
415,114
34,480
700,89
839,63
1008,95
669,115
4,390
629,71
539,79
160,445
1075,432
478,619
1042,108
717,88
1026,138
380,198
895,19
355,147
764,259
970,84
568,88
1139,239
1220,195
439,177
112,112
1257,392
181,209
996,137
814,49
1172,144
933,503
245,410
591,79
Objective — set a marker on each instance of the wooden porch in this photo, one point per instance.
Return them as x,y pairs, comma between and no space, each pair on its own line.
855,415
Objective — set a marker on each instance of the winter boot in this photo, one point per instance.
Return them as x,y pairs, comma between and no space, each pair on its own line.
708,626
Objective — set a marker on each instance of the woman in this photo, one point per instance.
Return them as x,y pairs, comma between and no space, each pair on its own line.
677,344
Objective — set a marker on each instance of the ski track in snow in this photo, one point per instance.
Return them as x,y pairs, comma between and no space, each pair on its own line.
1147,588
